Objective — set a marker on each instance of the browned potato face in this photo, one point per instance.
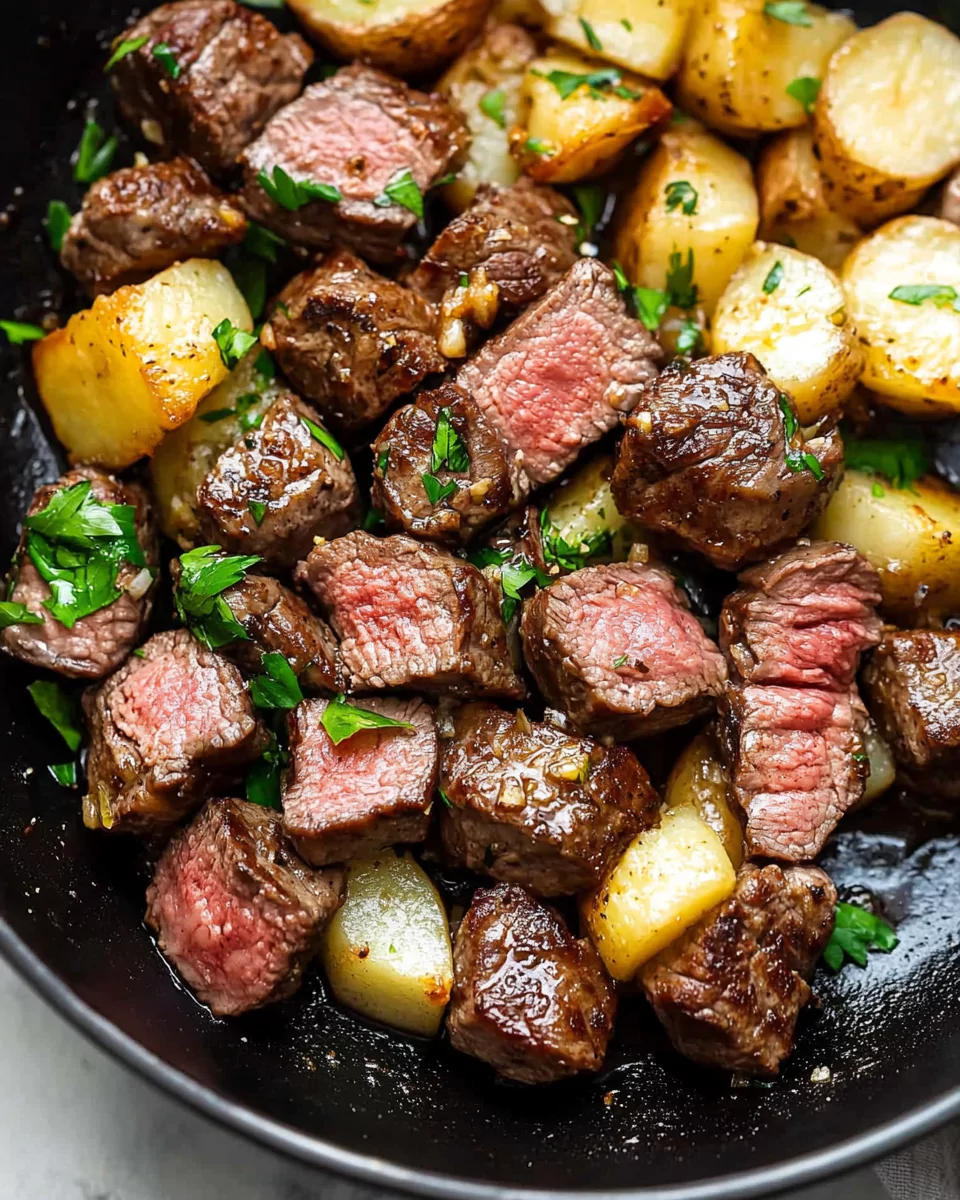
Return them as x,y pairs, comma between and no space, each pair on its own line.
406,37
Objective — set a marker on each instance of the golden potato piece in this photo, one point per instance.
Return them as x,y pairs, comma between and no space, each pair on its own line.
789,310
739,61
718,231
407,37
666,880
387,951
645,36
912,349
911,536
699,778
485,84
563,135
123,372
887,121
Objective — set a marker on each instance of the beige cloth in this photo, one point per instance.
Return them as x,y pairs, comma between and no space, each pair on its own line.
930,1170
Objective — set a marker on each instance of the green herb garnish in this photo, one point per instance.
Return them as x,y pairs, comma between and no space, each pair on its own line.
19,332
57,222
618,662
790,425
262,783
94,154
166,58
257,510
277,687
12,613
492,105
805,90
590,34
444,797
680,286
64,773
539,146
598,83
127,47
804,461
449,449
791,12
856,932
688,338
403,190
293,194
437,491
205,573
773,279
233,343
60,709
342,720
383,461
939,294
557,549
901,462
324,438
591,200
514,577
680,194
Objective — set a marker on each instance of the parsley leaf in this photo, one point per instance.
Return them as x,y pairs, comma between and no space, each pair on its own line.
64,773
798,461
383,461
324,438
258,510
264,4
492,105
449,449
57,222
444,797
262,783
618,662
13,613
590,34
597,83
437,491
293,194
539,146
591,200
19,332
342,720
373,520
166,58
94,154
790,425
233,343
805,90
855,932
60,709
791,12
204,574
262,242
403,190
557,550
773,279
514,577
250,276
689,337
681,194
277,687
680,286
900,462
940,294
126,47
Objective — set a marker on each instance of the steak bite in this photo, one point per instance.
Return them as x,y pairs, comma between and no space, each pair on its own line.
715,458
912,688
411,617
140,220
617,649
729,990
559,377
278,488
793,721
508,248
360,132
235,911
372,790
166,731
98,643
486,479
234,70
527,803
528,997
351,341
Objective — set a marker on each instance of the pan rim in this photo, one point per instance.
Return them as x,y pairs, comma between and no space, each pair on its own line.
369,1169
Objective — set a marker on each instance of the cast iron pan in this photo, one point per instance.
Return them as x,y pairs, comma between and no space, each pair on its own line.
317,1083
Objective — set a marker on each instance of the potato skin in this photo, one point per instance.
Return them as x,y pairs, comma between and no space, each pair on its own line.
423,35
800,330
912,351
645,36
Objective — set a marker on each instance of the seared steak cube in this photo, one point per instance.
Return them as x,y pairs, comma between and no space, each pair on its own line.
351,341
166,731
487,481
96,644
278,488
233,68
140,220
235,911
370,791
530,804
361,132
714,457
729,990
411,617
508,248
617,649
793,720
912,687
560,376
528,997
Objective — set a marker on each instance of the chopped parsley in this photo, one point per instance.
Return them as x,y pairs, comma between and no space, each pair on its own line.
805,90
791,12
250,276
618,662
19,332
539,146
247,418
383,461
324,438
293,194
166,58
64,773
598,83
681,194
57,223
277,687
205,573
444,797
514,577
591,200
774,278
559,551
373,520
449,449
263,242
464,279
262,783
939,294
403,190
901,461
689,338
94,154
130,46
233,343
790,425
680,286
264,3
492,105
591,35
59,708
342,720
12,613
437,491
258,510
798,461
856,932
626,24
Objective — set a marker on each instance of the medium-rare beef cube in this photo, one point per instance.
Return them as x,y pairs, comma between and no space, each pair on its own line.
530,804
793,722
369,791
278,488
140,220
277,621
715,458
411,617
91,646
912,688
167,730
234,909
560,376
351,341
233,70
729,990
528,997
617,649
504,252
444,435
369,137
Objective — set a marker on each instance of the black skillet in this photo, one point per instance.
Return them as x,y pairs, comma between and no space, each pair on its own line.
317,1083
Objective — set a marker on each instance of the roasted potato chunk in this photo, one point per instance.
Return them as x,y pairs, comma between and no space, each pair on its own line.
642,35
718,231
566,133
887,120
901,283
485,84
387,951
912,537
739,61
789,310
134,365
584,514
699,778
406,37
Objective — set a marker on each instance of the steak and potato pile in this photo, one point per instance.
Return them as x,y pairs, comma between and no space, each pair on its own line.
550,563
